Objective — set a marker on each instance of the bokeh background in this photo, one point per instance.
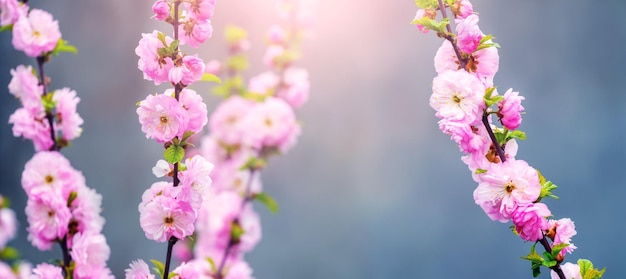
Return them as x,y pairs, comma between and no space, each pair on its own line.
372,189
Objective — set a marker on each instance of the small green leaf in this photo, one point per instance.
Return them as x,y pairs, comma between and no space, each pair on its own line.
171,274
517,134
588,271
187,134
236,231
237,62
549,263
9,253
174,45
437,26
71,198
174,154
5,202
254,163
158,267
268,201
479,171
63,46
212,263
556,249
546,189
161,38
8,27
210,78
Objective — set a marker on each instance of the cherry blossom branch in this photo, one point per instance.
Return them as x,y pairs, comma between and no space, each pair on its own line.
494,141
170,245
450,38
66,254
49,115
557,267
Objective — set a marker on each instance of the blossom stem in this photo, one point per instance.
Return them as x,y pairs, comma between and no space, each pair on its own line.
231,241
557,267
170,245
450,38
495,142
66,254
49,114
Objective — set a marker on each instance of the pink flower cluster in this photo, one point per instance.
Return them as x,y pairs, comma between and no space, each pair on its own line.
463,97
30,121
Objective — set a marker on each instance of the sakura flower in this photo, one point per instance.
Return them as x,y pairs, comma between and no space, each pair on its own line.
47,271
162,168
239,269
530,220
465,135
506,186
90,252
8,226
462,9
153,66
67,117
483,63
213,67
193,69
25,86
161,188
271,124
196,110
11,11
295,87
195,180
86,209
165,217
36,33
510,109
562,231
200,9
162,117
458,96
419,15
48,218
469,35
225,121
138,270
228,175
190,270
570,270
49,171
161,9
33,125
194,31
264,83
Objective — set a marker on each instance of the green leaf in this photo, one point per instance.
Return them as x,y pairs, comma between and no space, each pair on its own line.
556,249
437,26
212,263
424,4
8,27
187,134
236,231
491,100
158,267
9,253
588,271
71,198
546,189
254,163
237,62
174,153
63,46
479,171
549,263
210,78
5,202
171,274
268,201
517,134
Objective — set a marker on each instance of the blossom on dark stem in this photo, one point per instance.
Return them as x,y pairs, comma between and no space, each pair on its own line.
530,220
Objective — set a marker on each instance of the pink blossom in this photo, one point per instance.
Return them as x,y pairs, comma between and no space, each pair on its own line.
188,271
564,229
484,62
271,124
49,171
478,159
213,67
530,220
228,176
7,273
194,31
90,252
48,218
225,121
67,117
277,35
196,109
239,269
195,181
465,135
271,55
162,168
458,96
8,226
570,270
193,69
165,217
264,83
36,33
182,250
25,86
138,270
295,87
463,8
47,271
161,188
510,109
419,15
86,209
162,117
200,9
161,9
506,186
11,11
469,35
153,66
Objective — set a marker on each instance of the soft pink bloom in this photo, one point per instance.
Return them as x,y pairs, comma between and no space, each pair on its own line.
47,271
485,62
295,87
465,135
510,109
570,270
31,123
8,226
188,271
90,252
67,117
271,124
530,220
48,218
478,160
25,86
138,270
469,34
153,66
11,11
161,188
196,109
194,31
7,273
213,151
272,52
200,9
86,210
162,168
264,84
458,96
162,117
464,8
36,33
182,250
564,229
225,121
228,176
506,186
277,35
213,67
49,171
161,9
195,181
165,217
239,269
418,15
193,69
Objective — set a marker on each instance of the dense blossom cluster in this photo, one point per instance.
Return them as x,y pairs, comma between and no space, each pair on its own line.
466,100
60,207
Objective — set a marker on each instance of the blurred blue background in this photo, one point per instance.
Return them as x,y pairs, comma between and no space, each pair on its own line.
372,189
